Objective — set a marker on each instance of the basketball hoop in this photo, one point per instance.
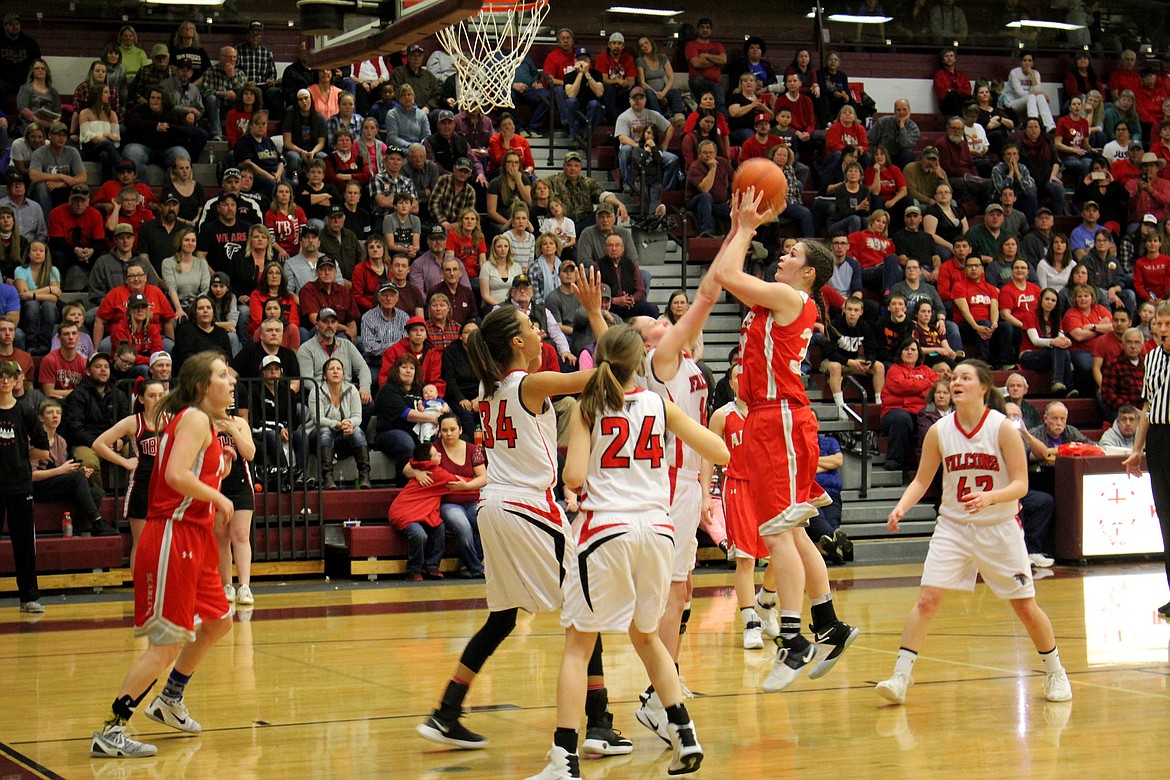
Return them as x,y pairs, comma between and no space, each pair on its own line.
488,48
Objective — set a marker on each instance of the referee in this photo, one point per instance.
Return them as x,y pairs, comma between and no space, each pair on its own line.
1155,428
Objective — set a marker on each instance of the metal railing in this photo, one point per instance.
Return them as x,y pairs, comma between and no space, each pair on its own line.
864,491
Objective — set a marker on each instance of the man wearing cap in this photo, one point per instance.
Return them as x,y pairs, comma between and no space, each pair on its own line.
113,306
445,146
923,176
313,353
76,232
763,139
624,277
340,243
389,182
1149,193
583,92
223,243
617,75
256,62
1034,245
301,268
150,78
256,152
628,130
561,301
88,411
580,193
382,326
185,95
426,85
705,61
986,239
109,271
912,242
54,168
528,86
521,296
427,269
415,343
221,85
591,240
1128,168
325,293
30,218
247,213
1080,240
898,133
17,52
453,194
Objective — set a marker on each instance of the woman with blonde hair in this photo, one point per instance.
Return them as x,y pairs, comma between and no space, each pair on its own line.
498,273
38,100
181,183
544,269
38,284
13,247
134,58
465,243
186,275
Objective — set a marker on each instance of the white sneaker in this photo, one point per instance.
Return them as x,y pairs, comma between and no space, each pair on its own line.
769,617
787,666
753,636
652,715
1040,560
561,765
244,596
115,743
229,591
894,689
173,713
1057,687
688,754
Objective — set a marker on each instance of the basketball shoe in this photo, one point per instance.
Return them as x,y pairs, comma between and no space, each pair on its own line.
894,689
834,641
1057,687
446,730
173,713
753,636
652,715
769,617
688,754
602,739
787,665
561,765
114,742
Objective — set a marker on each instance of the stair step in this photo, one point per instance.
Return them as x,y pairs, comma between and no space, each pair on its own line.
879,530
873,511
891,550
873,494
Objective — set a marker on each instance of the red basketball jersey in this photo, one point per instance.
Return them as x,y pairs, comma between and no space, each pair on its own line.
168,504
770,355
733,423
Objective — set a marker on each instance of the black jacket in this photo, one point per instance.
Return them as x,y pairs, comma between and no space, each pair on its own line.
87,414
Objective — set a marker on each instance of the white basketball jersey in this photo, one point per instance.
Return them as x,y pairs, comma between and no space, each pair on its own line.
972,463
688,391
627,461
522,446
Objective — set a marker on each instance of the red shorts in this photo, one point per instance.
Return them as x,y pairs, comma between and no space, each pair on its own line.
780,441
742,528
176,577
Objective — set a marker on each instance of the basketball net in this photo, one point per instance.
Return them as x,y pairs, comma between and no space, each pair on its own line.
488,48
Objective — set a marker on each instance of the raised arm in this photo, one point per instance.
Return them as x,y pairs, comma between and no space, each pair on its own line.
103,444
727,268
710,446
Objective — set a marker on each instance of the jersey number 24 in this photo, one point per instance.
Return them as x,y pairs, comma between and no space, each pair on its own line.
648,446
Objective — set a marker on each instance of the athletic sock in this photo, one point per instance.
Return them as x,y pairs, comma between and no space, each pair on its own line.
839,399
677,714
596,703
877,398
176,684
1051,660
566,740
686,616
749,616
123,707
905,663
452,703
766,598
823,614
789,624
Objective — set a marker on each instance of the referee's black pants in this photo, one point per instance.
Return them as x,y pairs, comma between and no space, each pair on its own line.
17,509
1158,463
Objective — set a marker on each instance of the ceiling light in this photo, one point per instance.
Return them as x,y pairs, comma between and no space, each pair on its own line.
859,19
627,9
189,2
1044,24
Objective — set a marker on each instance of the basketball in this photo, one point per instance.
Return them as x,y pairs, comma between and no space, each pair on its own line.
768,179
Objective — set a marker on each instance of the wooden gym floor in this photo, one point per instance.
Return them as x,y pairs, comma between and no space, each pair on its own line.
328,681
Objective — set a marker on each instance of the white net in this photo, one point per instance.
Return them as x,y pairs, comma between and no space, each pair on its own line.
488,48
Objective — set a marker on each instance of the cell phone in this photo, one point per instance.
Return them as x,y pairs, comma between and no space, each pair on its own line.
1097,175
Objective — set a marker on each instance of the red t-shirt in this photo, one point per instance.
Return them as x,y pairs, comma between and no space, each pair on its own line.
1107,346
1073,132
467,250
87,230
286,228
837,137
804,115
694,49
63,374
753,147
1016,301
979,297
870,248
558,63
113,306
1151,277
1074,318
465,471
892,181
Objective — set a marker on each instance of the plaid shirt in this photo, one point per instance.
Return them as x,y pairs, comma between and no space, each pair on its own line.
256,63
446,205
384,184
335,123
442,335
216,81
578,196
379,334
1121,382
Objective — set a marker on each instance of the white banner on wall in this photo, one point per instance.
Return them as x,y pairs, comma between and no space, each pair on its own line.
1118,516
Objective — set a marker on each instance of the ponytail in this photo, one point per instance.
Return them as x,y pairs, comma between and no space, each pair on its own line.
619,354
490,348
818,257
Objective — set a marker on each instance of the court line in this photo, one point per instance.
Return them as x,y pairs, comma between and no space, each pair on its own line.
23,765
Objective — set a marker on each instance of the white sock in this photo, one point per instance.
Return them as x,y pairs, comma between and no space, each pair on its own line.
905,662
1051,661
749,616
839,399
766,599
877,398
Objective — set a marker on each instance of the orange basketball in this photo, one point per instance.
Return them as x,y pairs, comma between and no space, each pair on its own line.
768,179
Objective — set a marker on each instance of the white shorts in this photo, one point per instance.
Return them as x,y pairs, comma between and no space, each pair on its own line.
685,508
620,576
959,551
523,552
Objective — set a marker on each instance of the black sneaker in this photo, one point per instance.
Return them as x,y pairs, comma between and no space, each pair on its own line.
449,731
602,739
827,546
1165,609
834,641
101,528
844,544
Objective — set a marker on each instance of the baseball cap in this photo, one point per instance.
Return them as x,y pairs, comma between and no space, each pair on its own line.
520,280
136,300
272,360
931,152
326,312
169,197
1150,219
79,191
183,63
567,265
993,207
605,208
335,211
413,48
16,177
763,118
324,261
637,91
163,355
1092,203
464,164
617,37
310,228
126,164
256,25
388,286
221,278
605,293
573,156
224,196
413,321
58,127
912,210
159,50
230,172
11,16
122,229
444,115
583,52
1044,210
437,231
103,355
394,150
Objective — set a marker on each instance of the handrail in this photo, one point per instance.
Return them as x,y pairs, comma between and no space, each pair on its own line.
864,491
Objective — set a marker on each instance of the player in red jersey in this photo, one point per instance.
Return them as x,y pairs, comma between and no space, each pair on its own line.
175,573
780,436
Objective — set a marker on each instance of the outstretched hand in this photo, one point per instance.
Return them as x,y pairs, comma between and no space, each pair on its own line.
587,288
746,210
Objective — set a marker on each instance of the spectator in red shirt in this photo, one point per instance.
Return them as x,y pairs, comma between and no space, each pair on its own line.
415,513
617,74
1108,346
846,131
708,188
903,397
875,252
77,236
113,306
1125,77
952,87
1085,322
1151,272
705,61
1082,79
1148,193
1017,297
1072,140
763,140
1148,99
325,294
63,368
976,303
809,139
886,181
1129,169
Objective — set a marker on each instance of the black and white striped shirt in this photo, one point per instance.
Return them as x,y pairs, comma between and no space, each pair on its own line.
1156,385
